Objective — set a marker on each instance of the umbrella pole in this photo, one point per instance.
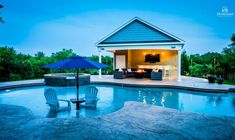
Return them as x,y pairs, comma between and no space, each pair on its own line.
77,85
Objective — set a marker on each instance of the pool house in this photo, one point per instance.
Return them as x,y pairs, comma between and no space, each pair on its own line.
139,45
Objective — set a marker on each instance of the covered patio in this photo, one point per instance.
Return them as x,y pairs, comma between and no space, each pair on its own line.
140,46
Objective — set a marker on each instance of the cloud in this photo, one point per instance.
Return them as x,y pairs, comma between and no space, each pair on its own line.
81,32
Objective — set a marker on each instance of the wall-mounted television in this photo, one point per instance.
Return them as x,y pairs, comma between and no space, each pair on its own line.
152,58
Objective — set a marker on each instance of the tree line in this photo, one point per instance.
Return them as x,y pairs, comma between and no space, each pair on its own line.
211,63
18,66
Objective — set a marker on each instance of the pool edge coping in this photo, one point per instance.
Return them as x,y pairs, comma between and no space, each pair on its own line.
167,86
21,85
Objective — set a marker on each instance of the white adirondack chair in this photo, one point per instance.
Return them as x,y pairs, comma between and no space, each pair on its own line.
90,97
53,101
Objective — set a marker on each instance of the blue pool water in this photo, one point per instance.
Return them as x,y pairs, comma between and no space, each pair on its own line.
112,98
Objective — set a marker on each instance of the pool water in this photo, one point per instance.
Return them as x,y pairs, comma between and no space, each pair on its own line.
112,98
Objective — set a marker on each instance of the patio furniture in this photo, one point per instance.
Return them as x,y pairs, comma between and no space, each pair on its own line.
133,69
148,73
156,75
139,74
119,74
130,73
90,97
76,62
211,79
220,80
77,102
53,101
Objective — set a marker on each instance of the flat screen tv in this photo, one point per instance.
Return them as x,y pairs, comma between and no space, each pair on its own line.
152,58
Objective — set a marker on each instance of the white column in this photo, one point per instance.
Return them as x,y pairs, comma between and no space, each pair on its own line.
179,66
100,56
114,61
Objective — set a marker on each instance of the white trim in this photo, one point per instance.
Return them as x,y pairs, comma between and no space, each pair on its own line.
114,61
139,47
140,44
100,61
179,66
139,19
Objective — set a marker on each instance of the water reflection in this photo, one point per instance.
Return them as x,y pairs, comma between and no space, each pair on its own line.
177,99
233,102
163,101
214,100
145,95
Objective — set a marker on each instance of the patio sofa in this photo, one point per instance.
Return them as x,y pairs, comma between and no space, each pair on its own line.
124,73
130,72
156,75
119,74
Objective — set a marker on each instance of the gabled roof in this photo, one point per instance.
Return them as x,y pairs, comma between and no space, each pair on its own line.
139,31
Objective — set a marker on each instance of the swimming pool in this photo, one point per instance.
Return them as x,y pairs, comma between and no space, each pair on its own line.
112,98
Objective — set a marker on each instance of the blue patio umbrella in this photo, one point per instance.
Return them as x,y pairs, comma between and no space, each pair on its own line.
75,62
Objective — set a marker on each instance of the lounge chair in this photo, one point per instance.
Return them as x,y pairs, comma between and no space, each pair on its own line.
90,97
53,101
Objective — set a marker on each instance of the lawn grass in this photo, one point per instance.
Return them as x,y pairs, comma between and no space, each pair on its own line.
230,82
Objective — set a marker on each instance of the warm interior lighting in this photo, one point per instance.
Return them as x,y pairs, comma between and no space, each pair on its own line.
153,53
147,66
140,70
155,70
144,53
120,69
162,53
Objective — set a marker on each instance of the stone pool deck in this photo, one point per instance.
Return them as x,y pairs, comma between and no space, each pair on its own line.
133,121
22,83
188,83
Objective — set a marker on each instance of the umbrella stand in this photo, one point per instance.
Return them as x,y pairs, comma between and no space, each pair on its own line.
77,84
77,101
